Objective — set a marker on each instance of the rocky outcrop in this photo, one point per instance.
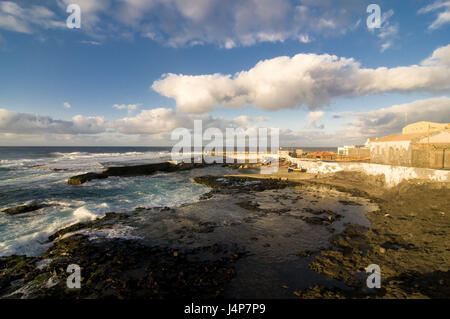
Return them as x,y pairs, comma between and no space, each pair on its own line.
22,209
138,170
135,170
83,178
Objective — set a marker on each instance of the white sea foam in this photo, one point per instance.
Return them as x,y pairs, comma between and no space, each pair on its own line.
31,245
82,214
69,203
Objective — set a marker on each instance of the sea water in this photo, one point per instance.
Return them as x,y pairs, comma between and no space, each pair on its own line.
40,174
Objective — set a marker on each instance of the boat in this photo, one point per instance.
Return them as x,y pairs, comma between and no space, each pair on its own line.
296,169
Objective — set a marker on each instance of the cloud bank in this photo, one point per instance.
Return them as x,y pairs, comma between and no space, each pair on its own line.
147,122
155,126
391,120
28,123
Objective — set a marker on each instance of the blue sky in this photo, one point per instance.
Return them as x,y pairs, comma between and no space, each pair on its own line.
106,83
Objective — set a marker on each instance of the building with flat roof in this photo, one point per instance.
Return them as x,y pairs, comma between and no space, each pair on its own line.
425,127
420,149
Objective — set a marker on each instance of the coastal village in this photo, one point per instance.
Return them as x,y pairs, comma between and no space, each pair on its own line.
421,144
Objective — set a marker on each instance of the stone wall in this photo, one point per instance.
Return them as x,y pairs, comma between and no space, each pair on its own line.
359,152
432,155
405,153
392,153
393,175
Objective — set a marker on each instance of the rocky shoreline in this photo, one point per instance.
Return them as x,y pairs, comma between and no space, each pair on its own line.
117,268
136,170
243,226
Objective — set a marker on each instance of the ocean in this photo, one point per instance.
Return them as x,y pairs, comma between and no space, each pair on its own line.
40,174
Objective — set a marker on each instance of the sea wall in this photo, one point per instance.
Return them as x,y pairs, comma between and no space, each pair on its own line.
393,175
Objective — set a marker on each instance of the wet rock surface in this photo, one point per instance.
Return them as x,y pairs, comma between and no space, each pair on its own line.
106,222
136,170
83,178
22,209
118,267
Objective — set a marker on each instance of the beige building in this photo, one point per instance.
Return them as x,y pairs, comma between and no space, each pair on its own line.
299,152
425,127
420,149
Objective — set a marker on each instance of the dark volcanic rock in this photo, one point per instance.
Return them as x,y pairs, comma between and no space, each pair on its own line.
237,183
16,269
119,268
128,269
135,170
148,169
83,178
100,223
23,209
138,170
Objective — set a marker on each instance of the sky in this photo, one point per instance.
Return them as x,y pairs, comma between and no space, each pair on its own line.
136,70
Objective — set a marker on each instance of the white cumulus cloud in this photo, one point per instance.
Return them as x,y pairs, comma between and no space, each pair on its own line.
304,79
149,122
